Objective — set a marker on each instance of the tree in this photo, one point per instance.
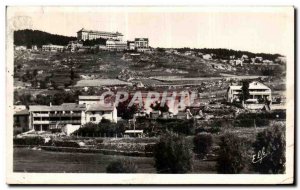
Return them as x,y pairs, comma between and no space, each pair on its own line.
158,107
172,154
125,111
245,90
72,74
35,73
232,155
29,37
269,149
26,99
43,84
202,144
122,166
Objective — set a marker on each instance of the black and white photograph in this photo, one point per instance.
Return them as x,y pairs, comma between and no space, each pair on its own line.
150,95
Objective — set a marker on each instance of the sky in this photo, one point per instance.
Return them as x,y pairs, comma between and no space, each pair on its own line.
255,30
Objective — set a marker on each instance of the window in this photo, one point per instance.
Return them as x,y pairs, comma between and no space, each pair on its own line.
92,118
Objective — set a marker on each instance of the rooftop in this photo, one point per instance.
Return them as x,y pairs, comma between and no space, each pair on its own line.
22,112
101,32
99,107
101,82
141,39
89,97
63,107
252,86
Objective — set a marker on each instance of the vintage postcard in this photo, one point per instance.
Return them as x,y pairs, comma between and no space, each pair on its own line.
150,95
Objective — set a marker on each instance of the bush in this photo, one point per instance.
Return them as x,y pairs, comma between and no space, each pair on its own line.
122,166
202,144
178,126
72,144
103,129
232,155
172,154
269,149
250,123
29,141
216,127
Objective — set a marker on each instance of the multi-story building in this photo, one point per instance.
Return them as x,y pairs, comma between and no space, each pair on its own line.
70,115
20,48
44,118
96,110
114,45
21,119
130,45
141,42
84,34
88,100
54,48
74,45
257,90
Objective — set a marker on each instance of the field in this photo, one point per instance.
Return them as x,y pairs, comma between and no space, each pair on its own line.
28,160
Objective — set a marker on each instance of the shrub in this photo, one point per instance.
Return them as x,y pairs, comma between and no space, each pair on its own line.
202,144
269,149
29,141
103,128
177,125
122,166
149,147
172,154
72,144
231,158
216,127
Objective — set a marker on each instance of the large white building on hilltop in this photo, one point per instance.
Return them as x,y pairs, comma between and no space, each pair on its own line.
113,45
84,34
257,91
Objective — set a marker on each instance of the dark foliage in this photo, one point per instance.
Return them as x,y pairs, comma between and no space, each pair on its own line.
260,119
102,129
172,154
122,166
226,53
232,155
202,144
29,141
35,37
245,90
278,114
177,125
125,111
99,41
213,127
269,149
158,107
72,144
251,122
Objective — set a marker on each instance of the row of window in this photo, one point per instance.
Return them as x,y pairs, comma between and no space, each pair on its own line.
55,119
55,112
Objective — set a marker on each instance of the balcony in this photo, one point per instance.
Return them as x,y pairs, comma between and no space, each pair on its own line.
64,122
40,114
260,92
41,122
65,115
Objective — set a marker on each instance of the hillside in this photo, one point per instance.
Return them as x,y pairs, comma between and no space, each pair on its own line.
35,37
